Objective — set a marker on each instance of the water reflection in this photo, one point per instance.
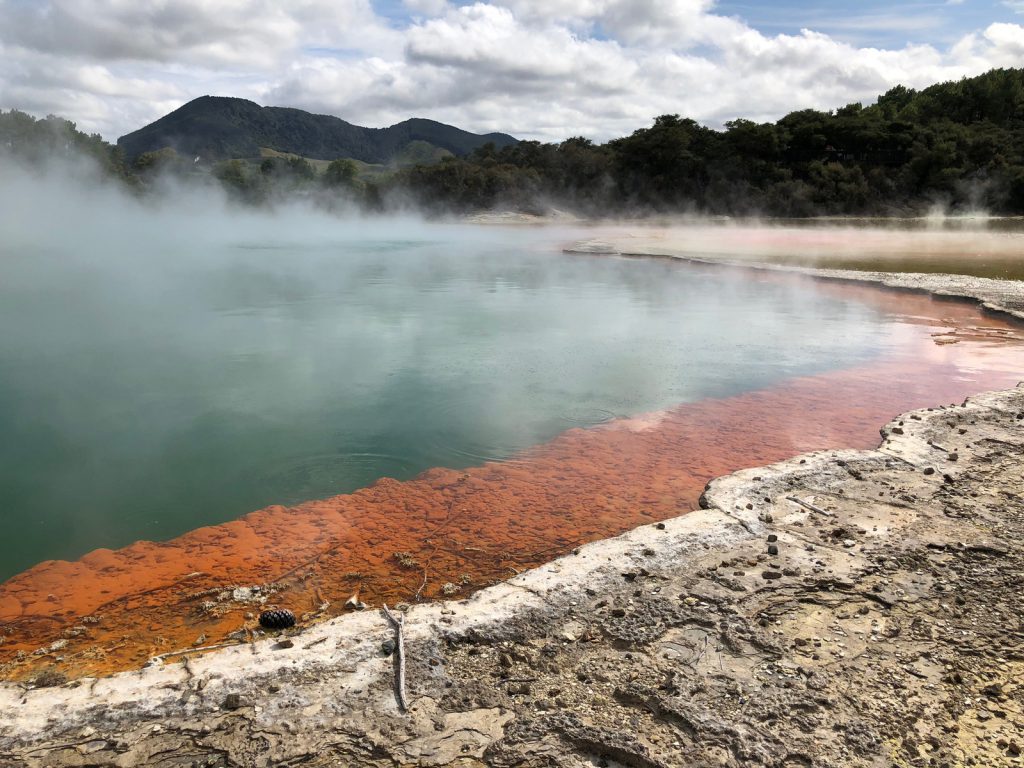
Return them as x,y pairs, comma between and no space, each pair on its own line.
144,394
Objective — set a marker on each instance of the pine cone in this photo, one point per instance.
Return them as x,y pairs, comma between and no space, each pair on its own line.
281,618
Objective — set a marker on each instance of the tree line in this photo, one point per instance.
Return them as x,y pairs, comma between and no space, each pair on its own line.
958,144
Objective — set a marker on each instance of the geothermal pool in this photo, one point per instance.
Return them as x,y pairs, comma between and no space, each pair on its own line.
416,411
145,394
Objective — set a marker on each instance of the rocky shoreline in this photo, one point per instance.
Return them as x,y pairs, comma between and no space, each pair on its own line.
840,608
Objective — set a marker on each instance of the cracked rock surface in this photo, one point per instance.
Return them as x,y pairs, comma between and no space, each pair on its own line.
843,608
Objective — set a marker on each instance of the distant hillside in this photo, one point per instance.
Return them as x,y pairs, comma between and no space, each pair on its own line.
219,128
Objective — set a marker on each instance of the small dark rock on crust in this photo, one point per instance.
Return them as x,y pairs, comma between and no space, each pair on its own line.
281,618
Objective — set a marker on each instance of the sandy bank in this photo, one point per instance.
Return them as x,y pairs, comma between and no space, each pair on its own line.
876,623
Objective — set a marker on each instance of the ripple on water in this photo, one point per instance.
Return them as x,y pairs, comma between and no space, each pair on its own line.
307,474
588,417
468,441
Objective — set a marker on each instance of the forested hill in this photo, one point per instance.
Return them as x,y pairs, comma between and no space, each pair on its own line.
957,144
219,128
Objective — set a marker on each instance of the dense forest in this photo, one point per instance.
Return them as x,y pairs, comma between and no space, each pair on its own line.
957,144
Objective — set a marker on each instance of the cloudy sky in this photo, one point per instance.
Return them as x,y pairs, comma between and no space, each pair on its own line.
543,69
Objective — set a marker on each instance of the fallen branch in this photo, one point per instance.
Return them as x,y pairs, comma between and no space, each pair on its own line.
809,506
399,626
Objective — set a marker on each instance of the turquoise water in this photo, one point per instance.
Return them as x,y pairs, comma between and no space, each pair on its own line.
155,381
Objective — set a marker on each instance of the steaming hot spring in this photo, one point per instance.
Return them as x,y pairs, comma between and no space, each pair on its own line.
296,410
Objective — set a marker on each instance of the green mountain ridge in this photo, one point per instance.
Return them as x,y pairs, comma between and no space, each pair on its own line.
221,128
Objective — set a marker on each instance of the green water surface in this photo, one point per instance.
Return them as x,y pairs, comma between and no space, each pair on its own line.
153,380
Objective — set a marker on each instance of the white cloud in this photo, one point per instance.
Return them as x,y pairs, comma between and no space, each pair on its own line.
426,7
536,69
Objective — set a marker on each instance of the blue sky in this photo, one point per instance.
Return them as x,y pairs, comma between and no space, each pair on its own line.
875,24
872,23
868,23
544,69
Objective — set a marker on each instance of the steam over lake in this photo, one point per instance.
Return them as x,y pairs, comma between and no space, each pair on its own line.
155,380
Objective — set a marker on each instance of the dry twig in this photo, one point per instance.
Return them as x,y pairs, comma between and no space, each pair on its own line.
808,505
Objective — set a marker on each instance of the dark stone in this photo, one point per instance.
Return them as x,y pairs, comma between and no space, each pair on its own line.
280,618
388,647
660,526
772,538
929,470
772,549
618,613
233,701
771,575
